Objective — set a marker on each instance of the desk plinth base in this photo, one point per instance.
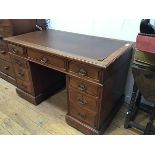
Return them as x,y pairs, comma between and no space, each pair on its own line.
86,129
81,126
7,78
33,99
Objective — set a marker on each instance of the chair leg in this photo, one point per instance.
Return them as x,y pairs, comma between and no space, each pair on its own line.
133,106
150,129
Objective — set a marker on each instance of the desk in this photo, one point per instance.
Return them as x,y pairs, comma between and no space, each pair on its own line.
94,70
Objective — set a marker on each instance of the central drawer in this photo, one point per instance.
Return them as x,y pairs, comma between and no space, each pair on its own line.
41,57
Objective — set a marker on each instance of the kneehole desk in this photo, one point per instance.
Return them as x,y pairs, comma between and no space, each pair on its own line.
94,70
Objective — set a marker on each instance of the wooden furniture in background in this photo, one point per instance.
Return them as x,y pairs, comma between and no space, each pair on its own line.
143,69
12,27
95,70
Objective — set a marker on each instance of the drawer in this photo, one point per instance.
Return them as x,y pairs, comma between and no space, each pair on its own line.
5,22
16,50
6,33
84,70
22,73
83,115
84,86
6,67
4,52
85,101
4,55
25,86
144,57
19,62
5,28
43,58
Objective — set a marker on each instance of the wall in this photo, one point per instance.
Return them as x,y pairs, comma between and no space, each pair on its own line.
124,29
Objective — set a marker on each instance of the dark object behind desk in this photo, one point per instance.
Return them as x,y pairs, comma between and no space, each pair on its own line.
146,27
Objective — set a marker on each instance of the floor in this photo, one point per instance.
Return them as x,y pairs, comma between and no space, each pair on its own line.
19,117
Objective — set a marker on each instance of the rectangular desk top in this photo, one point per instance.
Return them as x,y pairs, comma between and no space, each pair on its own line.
71,44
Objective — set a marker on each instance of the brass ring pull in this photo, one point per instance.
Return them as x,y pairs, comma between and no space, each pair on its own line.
18,62
44,60
6,67
83,116
82,87
2,52
81,101
15,51
82,72
23,86
21,74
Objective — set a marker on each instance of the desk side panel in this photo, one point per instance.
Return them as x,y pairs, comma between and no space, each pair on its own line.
113,89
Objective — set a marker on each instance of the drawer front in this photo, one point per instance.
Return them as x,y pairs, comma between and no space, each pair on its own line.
5,22
83,115
17,50
43,58
84,70
3,52
6,33
19,62
5,28
5,55
25,86
85,101
144,57
21,73
6,67
84,87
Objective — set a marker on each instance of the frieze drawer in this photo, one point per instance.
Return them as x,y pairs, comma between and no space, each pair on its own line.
43,58
84,70
17,50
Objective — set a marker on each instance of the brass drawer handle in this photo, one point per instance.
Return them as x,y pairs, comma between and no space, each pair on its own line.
82,116
20,74
23,86
82,72
6,67
44,60
81,101
82,87
15,51
2,52
18,62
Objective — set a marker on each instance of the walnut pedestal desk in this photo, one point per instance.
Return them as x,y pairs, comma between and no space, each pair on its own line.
94,70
